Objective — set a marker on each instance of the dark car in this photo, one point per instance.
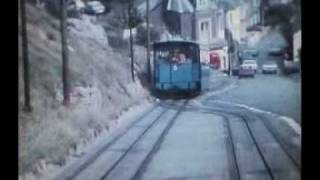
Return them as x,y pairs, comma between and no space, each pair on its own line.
248,54
275,52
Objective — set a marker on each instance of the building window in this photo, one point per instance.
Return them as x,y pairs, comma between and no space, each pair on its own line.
214,28
204,26
202,3
221,19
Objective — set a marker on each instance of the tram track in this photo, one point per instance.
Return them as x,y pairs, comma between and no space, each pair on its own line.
164,119
75,173
247,118
158,142
234,166
280,141
258,147
71,174
262,152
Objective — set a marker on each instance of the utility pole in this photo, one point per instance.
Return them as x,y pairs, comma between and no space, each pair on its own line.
262,13
131,44
228,39
148,42
25,54
65,58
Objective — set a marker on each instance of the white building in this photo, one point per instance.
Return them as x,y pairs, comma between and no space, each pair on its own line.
297,46
234,23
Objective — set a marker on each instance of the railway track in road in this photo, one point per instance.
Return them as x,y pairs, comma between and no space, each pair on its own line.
234,165
156,146
72,173
253,148
141,128
252,125
281,142
234,169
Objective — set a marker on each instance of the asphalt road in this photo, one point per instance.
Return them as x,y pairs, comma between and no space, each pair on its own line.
207,137
274,93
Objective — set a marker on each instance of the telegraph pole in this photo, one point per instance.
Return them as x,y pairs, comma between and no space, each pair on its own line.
26,79
65,58
148,42
262,13
131,44
228,39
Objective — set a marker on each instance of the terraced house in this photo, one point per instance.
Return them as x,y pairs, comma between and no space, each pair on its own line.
201,21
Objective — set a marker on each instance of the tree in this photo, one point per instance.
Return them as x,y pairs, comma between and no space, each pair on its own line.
286,17
26,76
65,58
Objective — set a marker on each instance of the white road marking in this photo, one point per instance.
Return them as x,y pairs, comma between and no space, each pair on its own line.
291,122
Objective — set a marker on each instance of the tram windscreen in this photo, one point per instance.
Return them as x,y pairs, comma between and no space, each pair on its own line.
177,54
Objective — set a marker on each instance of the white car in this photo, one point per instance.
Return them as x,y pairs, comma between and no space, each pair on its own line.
245,71
94,7
250,63
76,4
269,67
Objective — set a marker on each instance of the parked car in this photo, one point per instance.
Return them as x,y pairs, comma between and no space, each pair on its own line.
245,71
75,8
269,67
235,71
291,67
275,52
94,8
248,54
250,63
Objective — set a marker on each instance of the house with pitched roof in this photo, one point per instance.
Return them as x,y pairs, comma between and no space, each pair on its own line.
197,20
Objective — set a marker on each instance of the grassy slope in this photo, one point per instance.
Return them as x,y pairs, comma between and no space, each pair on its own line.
51,130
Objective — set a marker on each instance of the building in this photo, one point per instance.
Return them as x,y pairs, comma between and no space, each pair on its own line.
197,20
297,46
234,23
155,11
209,31
254,14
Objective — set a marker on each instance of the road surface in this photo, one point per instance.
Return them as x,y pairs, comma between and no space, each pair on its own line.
223,134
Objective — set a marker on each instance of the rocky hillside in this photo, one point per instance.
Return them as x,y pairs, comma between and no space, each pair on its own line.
101,89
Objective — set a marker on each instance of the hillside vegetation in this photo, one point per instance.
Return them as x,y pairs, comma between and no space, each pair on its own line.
101,83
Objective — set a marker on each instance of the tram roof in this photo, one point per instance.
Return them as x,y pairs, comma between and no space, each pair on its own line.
167,42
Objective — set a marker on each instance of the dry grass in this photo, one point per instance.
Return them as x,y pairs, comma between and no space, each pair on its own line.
51,131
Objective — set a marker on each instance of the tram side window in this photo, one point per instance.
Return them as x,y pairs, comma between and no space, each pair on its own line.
180,55
162,55
192,54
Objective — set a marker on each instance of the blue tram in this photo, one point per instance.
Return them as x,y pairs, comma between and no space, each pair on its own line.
176,67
